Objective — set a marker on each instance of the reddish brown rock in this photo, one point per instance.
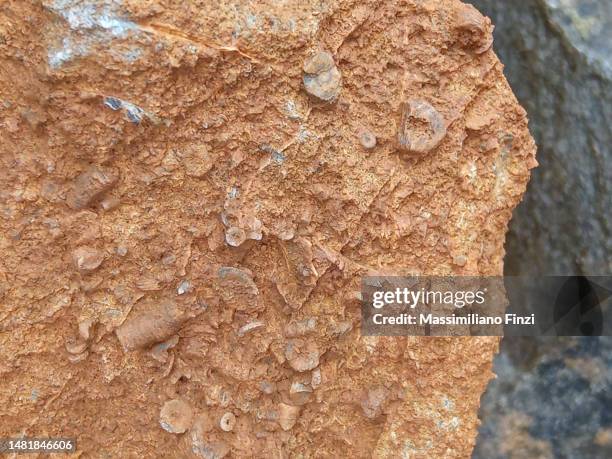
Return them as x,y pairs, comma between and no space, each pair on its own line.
218,167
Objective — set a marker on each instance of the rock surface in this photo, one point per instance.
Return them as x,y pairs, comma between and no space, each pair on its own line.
224,198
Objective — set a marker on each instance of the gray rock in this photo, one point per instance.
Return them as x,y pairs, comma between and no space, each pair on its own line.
558,58
552,396
551,399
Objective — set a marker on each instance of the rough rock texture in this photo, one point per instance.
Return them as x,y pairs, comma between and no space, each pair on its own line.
188,206
551,398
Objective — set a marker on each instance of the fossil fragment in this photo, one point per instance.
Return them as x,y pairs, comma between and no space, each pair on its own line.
184,287
176,416
110,203
87,258
148,283
299,393
240,227
460,260
421,127
160,351
267,387
85,328
474,31
155,324
200,445
302,355
288,415
367,139
75,346
235,236
89,186
373,402
251,326
300,327
236,283
197,161
322,79
316,379
227,422
296,283
75,358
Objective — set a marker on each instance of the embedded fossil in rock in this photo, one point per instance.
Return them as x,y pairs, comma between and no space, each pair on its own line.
236,287
235,236
373,401
474,30
199,444
367,139
89,186
301,275
300,327
322,78
421,127
176,416
288,415
227,422
240,226
87,258
302,355
156,323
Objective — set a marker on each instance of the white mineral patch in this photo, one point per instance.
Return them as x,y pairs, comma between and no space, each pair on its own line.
91,23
